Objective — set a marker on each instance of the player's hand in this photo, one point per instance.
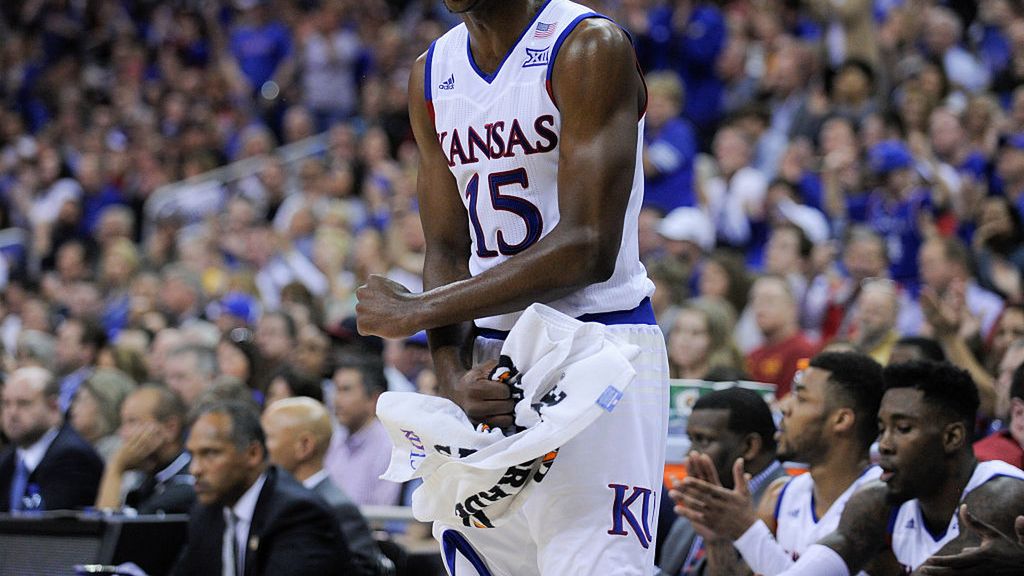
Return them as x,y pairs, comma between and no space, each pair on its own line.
386,309
997,555
485,400
726,513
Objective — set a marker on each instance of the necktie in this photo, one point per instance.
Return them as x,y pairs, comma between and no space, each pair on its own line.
18,485
229,549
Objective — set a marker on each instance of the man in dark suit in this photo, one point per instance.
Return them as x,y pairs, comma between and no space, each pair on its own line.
48,466
250,518
152,426
298,433
724,425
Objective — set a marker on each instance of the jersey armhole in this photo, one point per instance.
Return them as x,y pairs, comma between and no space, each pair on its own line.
428,95
548,84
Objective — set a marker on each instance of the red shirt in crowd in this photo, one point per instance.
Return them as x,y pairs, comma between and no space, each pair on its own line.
1000,446
777,363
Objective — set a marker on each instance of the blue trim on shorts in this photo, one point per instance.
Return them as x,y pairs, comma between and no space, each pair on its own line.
452,542
642,314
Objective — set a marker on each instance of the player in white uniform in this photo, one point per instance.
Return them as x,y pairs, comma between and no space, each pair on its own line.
829,423
929,470
529,117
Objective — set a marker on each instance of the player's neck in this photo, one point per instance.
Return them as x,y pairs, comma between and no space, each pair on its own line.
938,507
495,28
843,464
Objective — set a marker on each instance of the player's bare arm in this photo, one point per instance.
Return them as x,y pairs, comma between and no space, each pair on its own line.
861,535
600,94
990,515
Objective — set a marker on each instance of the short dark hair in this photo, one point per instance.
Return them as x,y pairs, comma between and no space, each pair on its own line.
169,404
245,422
858,379
748,412
929,348
371,372
301,384
1017,384
943,385
289,322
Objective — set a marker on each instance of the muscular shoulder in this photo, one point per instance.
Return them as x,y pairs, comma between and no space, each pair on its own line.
998,502
596,57
867,510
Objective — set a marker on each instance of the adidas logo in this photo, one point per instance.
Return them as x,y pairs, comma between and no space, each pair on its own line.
794,513
448,84
910,524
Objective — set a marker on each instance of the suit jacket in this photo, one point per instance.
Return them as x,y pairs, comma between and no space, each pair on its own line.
681,534
170,490
293,533
68,476
365,552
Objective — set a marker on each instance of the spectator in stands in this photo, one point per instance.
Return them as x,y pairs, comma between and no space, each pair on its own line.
190,371
916,348
360,453
670,146
724,277
998,249
734,197
945,262
249,513
732,437
775,311
96,409
687,37
238,356
899,210
48,466
290,383
181,295
877,312
164,342
829,423
275,339
151,432
1007,444
1008,328
298,433
701,339
78,343
687,235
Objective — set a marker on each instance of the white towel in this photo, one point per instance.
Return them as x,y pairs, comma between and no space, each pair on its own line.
569,374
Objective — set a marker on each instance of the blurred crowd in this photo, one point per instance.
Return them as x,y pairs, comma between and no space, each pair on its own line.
820,174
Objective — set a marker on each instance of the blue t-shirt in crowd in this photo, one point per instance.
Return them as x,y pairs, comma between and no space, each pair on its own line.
672,151
259,50
897,223
692,55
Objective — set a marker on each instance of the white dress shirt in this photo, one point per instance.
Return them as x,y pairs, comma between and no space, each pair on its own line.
244,510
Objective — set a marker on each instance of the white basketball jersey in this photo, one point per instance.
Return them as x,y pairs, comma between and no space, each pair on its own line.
912,543
797,524
500,133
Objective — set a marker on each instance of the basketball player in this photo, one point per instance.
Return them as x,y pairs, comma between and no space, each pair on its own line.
928,471
829,423
528,117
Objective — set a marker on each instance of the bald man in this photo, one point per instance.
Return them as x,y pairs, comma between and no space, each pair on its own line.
48,466
298,432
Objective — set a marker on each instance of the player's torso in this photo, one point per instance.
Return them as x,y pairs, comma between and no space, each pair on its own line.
912,543
798,526
500,132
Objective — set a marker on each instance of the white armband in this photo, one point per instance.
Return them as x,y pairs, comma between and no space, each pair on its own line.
819,560
761,552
